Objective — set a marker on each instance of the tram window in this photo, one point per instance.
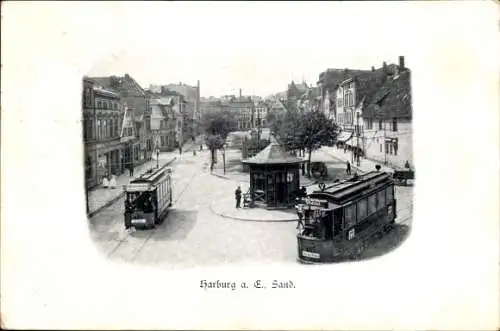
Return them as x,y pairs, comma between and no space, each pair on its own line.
390,196
372,206
362,209
350,216
380,199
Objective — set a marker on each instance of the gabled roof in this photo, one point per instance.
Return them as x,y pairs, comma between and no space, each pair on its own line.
393,99
273,154
367,84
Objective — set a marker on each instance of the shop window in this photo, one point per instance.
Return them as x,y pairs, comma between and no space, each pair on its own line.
372,206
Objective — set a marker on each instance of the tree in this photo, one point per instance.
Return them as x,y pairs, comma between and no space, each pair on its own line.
217,124
316,131
306,131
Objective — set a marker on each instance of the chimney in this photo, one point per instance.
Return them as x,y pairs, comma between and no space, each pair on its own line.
373,68
401,62
240,93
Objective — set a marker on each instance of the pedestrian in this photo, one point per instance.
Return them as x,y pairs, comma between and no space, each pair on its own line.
300,213
180,150
112,182
407,165
237,195
131,171
348,167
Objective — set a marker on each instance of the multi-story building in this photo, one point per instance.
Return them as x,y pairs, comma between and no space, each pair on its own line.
107,140
243,108
192,114
163,123
135,98
179,109
89,120
261,110
387,119
328,83
381,96
294,94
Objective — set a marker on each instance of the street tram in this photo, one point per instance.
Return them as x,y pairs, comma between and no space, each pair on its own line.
339,220
148,198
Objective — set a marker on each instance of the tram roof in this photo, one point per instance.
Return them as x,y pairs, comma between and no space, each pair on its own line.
151,176
349,187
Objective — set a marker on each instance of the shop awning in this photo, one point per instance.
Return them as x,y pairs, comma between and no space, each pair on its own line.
344,136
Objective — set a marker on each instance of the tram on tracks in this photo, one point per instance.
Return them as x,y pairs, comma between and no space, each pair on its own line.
339,220
148,198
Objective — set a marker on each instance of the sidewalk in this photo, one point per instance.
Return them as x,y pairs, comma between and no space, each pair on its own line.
364,164
101,197
226,208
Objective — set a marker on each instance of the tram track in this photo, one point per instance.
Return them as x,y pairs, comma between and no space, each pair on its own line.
152,232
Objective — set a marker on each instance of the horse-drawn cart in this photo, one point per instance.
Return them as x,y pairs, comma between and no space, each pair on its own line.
402,176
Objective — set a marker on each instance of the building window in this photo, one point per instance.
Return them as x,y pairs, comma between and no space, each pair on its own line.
380,125
99,105
380,147
394,124
395,146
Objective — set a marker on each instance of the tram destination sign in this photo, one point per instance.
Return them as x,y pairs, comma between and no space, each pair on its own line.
317,202
137,187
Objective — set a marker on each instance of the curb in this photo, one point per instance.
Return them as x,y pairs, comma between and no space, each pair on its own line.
249,220
113,200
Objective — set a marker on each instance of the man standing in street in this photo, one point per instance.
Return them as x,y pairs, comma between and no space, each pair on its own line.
131,170
348,168
237,195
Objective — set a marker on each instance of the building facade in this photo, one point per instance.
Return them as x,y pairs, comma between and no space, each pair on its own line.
373,109
163,124
244,110
108,139
135,98
261,110
387,119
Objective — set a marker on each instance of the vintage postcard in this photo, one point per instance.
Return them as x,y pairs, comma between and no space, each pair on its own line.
244,165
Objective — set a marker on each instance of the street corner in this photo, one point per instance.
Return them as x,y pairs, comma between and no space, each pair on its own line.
227,208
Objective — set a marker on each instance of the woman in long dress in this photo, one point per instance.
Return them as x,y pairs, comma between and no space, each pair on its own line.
112,182
105,182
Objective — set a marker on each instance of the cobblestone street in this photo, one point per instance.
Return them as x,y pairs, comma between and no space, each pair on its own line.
193,235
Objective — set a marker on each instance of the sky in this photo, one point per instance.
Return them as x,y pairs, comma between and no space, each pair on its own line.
258,47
